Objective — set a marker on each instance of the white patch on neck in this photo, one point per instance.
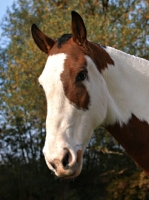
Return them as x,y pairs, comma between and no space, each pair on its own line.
128,85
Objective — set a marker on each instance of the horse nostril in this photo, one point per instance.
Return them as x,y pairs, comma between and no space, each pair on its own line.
67,159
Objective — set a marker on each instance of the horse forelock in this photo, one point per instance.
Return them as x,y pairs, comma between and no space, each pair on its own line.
64,38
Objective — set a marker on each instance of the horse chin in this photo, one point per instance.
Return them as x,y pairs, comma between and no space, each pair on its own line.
75,173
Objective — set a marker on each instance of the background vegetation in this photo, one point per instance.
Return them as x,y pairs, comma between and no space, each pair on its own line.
108,173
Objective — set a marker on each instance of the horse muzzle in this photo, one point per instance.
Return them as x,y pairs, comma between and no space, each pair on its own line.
67,165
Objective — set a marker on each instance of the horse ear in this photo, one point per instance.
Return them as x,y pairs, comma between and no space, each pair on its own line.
78,29
43,42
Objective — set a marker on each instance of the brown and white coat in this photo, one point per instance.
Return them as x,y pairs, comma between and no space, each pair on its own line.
87,85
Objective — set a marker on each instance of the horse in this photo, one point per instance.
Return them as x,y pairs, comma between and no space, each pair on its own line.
87,85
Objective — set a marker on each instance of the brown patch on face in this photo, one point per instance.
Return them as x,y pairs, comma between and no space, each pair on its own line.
75,91
75,62
100,57
134,137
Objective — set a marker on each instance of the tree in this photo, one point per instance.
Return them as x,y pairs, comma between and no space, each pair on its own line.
113,23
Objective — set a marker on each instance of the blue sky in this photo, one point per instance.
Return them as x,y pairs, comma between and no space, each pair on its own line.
4,4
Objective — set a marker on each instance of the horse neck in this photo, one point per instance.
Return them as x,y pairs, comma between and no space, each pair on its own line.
128,111
128,87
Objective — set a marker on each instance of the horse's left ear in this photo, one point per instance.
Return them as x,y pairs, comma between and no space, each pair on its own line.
78,29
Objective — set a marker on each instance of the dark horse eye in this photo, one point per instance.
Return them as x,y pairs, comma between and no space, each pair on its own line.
81,76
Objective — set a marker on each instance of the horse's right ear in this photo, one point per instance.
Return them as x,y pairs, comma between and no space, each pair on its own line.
43,42
78,29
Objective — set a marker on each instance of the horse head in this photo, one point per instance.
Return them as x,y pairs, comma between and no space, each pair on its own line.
76,95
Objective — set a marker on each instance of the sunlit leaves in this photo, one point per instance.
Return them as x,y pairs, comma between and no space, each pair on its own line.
132,187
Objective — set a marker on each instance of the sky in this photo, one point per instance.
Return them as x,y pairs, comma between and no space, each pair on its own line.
4,4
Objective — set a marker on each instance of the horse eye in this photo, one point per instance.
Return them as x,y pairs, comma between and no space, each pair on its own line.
81,76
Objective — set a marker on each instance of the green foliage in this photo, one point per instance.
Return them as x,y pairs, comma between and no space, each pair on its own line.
108,173
134,187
